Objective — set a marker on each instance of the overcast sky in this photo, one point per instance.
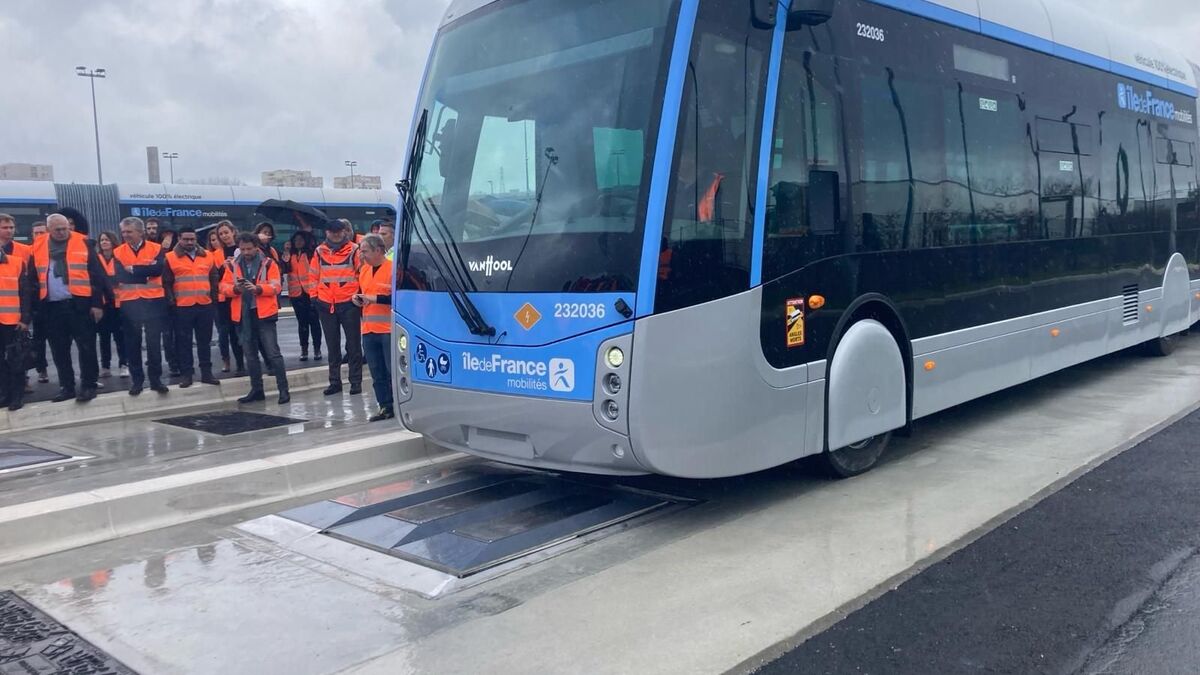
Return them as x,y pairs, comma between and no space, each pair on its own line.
237,87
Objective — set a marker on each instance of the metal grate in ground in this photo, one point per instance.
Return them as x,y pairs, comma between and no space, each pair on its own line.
230,422
32,642
21,456
481,520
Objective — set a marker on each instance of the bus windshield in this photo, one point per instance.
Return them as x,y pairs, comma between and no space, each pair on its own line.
541,124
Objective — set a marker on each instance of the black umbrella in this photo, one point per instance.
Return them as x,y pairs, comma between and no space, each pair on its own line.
287,211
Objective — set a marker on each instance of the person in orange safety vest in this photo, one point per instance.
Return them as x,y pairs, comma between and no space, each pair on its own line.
334,270
16,311
191,278
138,271
72,287
254,283
375,299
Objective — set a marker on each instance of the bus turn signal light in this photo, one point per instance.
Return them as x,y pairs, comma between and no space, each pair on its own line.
1054,332
1149,308
930,365
816,302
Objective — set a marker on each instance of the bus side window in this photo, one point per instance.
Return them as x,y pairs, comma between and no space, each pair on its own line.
804,205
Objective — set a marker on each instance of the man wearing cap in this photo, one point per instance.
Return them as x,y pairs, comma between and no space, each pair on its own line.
335,270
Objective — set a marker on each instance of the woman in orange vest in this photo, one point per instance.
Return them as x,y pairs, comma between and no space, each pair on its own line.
254,284
190,278
335,272
227,338
297,258
375,299
109,328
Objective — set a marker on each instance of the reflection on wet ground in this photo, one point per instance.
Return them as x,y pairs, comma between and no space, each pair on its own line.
121,451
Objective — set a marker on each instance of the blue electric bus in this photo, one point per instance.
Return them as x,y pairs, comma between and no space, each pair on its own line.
707,237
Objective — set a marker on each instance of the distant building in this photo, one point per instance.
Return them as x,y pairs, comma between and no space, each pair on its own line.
19,171
153,175
360,182
291,178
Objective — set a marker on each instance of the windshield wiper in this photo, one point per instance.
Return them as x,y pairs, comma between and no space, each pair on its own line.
415,223
551,161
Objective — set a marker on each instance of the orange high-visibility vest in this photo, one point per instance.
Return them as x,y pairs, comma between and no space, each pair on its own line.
376,318
706,210
192,286
153,287
336,274
299,271
267,304
23,251
12,268
79,282
110,269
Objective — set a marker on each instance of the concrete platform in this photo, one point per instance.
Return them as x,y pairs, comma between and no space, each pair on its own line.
765,561
141,474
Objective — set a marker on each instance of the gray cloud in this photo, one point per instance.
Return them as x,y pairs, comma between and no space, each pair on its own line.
240,86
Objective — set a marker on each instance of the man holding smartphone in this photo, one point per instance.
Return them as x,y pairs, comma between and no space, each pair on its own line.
254,283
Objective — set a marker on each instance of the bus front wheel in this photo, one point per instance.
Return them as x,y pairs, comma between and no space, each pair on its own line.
856,458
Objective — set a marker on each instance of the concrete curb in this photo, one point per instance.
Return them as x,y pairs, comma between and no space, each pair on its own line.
69,521
119,404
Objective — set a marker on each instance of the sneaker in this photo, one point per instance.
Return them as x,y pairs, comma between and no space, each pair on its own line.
43,376
304,355
124,371
224,365
317,356
105,373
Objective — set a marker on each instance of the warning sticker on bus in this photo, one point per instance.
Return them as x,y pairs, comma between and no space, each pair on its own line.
795,323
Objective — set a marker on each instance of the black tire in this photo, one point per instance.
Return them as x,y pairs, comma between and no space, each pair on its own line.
1163,346
857,459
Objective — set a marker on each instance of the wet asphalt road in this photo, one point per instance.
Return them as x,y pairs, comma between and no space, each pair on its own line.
289,345
1102,577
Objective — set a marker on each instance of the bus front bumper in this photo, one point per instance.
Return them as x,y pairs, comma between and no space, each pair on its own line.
534,432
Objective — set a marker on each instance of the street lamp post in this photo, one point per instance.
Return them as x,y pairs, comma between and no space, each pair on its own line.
93,75
351,163
171,157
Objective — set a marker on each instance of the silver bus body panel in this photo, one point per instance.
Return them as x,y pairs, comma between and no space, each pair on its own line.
701,405
537,432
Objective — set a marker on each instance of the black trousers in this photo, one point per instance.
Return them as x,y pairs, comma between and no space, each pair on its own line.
258,335
194,322
138,317
109,331
68,321
12,366
39,340
227,335
347,318
169,350
307,322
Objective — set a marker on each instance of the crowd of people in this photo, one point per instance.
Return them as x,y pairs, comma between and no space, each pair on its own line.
146,295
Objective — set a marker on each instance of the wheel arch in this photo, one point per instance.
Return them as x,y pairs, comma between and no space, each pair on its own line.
879,308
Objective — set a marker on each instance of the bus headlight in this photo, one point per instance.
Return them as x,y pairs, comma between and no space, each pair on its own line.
615,357
402,342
